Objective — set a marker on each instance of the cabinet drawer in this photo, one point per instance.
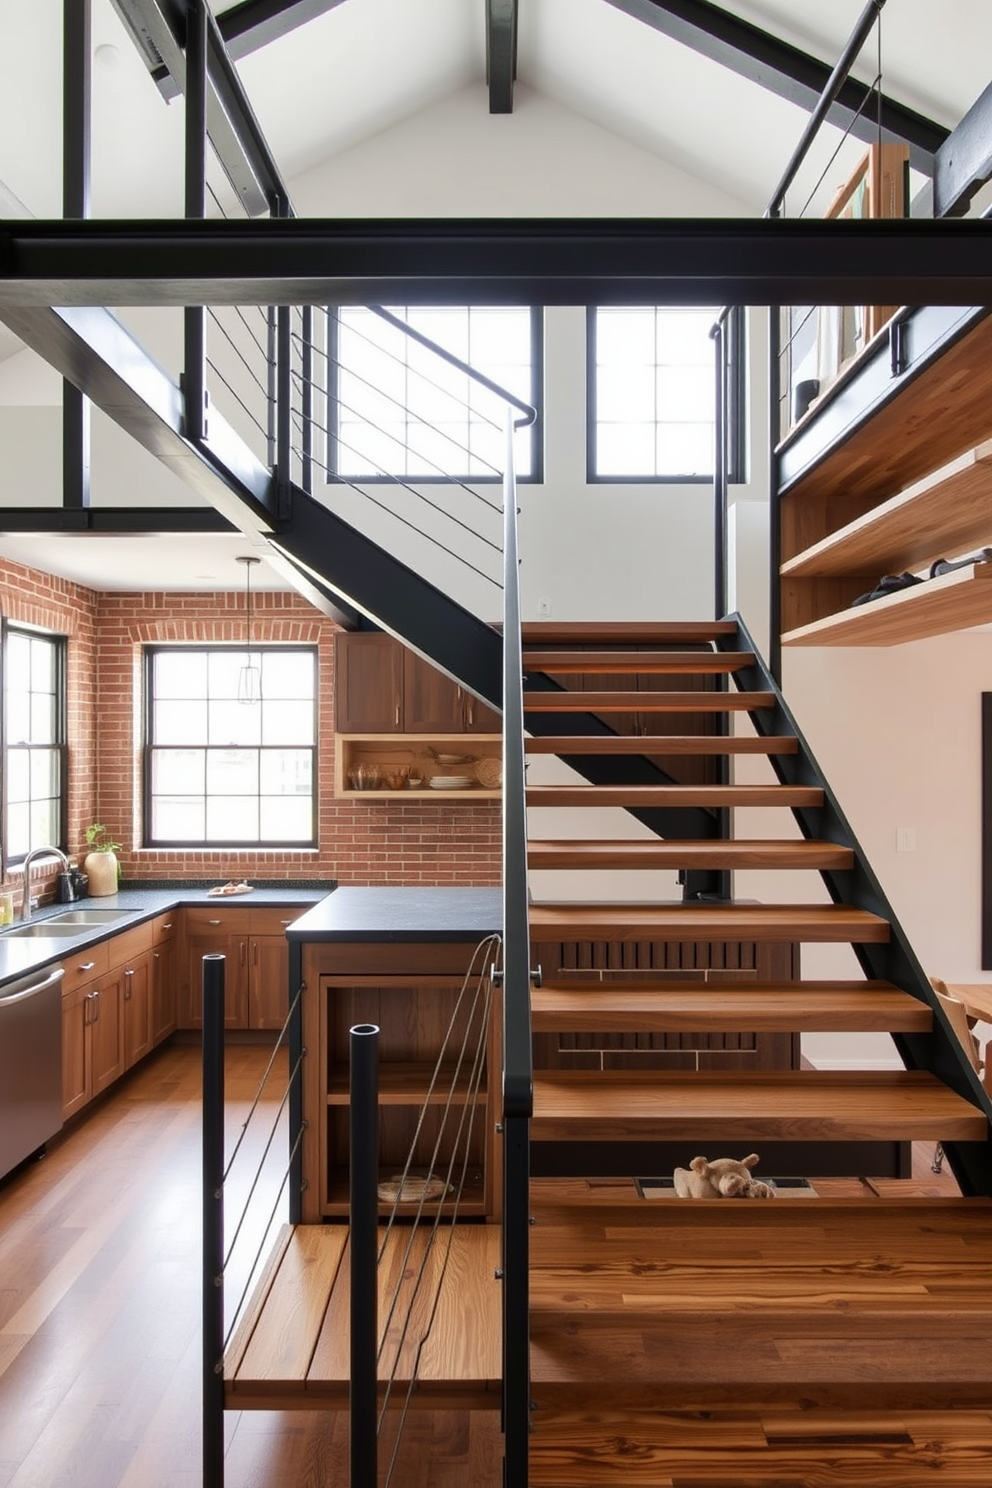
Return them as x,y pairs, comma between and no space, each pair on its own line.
164,928
130,944
219,921
84,966
274,921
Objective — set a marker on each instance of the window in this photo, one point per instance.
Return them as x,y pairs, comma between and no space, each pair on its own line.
652,385
34,741
227,773
399,410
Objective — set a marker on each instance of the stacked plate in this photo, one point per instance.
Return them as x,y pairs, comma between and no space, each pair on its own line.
451,782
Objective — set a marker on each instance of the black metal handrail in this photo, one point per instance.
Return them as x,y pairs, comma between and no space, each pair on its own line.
518,1063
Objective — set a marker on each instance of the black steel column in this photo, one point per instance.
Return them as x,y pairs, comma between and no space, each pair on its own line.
213,1221
284,395
306,377
296,1086
774,502
719,339
364,1243
195,358
77,52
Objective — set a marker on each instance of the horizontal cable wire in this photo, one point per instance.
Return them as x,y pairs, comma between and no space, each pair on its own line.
239,353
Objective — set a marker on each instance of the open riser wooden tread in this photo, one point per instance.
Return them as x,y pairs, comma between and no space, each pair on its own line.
618,663
625,632
698,921
292,1347
750,1107
659,745
646,702
715,796
672,853
673,1006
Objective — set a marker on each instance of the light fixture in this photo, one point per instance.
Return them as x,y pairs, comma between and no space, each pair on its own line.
250,675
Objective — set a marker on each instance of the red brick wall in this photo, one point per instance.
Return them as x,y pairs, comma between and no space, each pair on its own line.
375,842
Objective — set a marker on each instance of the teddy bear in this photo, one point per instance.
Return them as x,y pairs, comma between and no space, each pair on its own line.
725,1178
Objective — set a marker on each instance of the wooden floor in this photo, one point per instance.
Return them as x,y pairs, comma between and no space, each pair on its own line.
100,1317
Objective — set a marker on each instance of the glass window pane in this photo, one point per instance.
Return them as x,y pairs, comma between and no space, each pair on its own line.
234,723
232,819
18,775
625,449
44,823
178,818
286,772
18,830
43,655
289,723
685,449
685,394
179,674
232,772
178,771
43,718
19,717
288,674
283,820
17,657
45,773
625,393
223,669
181,721
625,337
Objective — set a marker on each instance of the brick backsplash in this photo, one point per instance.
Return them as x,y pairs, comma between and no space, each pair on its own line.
380,842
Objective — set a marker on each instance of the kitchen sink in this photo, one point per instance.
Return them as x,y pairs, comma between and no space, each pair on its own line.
64,924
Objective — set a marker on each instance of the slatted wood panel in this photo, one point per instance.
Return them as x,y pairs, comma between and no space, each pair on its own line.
293,1349
739,853
775,1105
806,1301
697,921
693,1006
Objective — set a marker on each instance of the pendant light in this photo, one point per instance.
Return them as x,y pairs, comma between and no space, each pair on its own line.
250,676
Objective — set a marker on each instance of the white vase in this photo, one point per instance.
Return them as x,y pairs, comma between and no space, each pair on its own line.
101,870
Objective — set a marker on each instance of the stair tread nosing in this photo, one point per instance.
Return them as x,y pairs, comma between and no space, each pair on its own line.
682,853
702,921
730,1007
750,1106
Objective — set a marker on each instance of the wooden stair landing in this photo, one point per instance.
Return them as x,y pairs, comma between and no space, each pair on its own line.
801,1302
291,1349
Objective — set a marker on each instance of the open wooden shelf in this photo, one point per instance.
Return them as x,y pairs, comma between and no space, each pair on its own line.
953,601
391,751
939,516
405,1083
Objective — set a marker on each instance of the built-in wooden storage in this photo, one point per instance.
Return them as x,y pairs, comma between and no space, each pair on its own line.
256,970
907,486
164,975
388,754
381,687
410,991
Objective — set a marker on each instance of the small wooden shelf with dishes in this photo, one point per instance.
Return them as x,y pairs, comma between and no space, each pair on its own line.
424,767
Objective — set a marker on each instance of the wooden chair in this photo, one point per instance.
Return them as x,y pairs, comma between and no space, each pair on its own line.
962,1025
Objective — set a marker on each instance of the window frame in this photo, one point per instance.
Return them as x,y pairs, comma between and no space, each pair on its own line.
536,397
148,748
60,746
736,396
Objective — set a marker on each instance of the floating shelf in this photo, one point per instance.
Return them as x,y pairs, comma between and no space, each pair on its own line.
954,601
391,751
939,516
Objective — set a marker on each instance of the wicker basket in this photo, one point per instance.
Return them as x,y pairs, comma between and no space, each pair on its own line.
489,772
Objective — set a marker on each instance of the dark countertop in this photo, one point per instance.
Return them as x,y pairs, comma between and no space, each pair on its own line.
22,955
402,914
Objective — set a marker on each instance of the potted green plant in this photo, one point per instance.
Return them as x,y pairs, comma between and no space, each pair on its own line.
101,864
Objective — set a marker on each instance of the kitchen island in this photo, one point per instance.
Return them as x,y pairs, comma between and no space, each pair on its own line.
414,962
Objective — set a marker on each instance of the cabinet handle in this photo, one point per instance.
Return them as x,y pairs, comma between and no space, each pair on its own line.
129,971
213,922
168,926
87,1020
396,716
243,948
96,1007
86,966
254,953
285,922
157,955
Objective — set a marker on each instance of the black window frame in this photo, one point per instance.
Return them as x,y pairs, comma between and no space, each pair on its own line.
736,339
60,645
148,748
536,398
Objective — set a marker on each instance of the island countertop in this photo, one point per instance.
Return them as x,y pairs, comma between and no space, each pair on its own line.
414,913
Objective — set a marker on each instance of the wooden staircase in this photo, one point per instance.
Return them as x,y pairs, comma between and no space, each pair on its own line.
838,1339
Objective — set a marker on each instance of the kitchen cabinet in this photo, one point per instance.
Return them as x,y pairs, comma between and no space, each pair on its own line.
164,976
256,971
381,687
131,956
92,1040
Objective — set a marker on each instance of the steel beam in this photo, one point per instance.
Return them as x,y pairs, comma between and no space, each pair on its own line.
500,261
501,54
77,67
964,161
787,71
114,521
251,25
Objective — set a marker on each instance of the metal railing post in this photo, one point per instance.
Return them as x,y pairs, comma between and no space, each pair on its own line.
364,1218
213,1221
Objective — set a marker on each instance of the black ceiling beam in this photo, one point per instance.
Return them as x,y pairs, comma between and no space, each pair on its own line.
788,72
501,54
158,29
250,26
500,261
964,161
115,521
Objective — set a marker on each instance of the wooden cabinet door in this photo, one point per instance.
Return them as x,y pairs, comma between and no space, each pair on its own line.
432,703
136,996
76,1010
106,1033
479,717
235,950
368,684
268,981
164,990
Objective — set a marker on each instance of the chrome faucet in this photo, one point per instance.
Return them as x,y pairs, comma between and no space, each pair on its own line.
38,852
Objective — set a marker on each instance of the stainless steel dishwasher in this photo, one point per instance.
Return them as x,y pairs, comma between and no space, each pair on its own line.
30,1064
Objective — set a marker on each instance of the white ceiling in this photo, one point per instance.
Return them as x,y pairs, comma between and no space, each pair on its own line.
366,65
